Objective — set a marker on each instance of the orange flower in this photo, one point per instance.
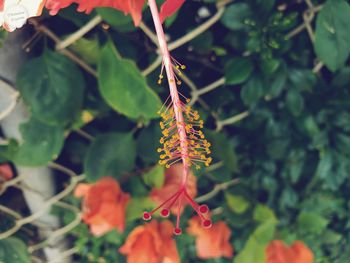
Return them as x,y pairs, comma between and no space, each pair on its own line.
173,177
211,242
103,206
151,243
302,252
5,172
278,252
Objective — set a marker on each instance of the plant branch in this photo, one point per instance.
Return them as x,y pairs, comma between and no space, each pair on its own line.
199,30
79,33
66,52
149,33
217,189
236,118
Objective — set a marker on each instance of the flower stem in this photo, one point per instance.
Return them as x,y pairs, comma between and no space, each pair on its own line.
163,46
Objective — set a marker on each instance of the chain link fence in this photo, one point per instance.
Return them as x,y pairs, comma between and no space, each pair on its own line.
62,46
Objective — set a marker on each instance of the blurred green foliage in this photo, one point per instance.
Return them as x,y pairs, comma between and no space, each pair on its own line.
291,154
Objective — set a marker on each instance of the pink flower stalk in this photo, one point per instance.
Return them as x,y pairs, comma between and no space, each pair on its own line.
182,140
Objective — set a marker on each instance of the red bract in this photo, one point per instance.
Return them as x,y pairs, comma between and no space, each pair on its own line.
169,8
103,206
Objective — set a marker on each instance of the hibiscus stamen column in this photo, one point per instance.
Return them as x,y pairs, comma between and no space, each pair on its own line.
182,141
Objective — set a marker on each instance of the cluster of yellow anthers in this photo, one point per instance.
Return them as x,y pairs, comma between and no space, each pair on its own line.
197,146
178,71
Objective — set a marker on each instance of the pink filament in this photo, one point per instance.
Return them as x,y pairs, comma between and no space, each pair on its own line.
181,130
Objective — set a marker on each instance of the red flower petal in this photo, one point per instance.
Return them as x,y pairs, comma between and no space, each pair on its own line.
133,7
169,8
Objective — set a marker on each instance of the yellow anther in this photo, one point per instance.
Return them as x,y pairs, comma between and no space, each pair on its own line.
183,66
188,100
159,150
178,82
167,166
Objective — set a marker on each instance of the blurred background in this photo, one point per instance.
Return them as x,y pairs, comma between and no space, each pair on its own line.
79,134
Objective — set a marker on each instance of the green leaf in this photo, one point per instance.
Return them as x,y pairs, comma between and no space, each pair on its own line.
155,177
342,143
238,70
294,102
13,250
113,237
263,214
302,79
235,15
110,154
137,206
252,91
89,49
263,7
148,142
331,237
342,79
52,86
278,83
254,249
237,203
124,88
203,43
325,165
333,34
223,150
309,222
41,143
269,66
116,19
264,233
